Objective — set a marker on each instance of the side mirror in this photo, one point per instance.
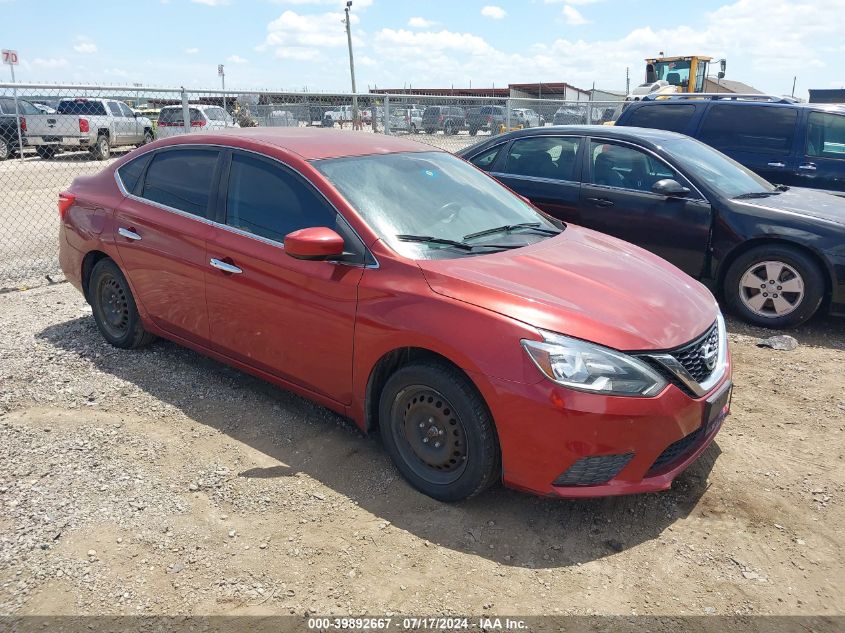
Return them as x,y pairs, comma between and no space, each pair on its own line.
670,188
317,243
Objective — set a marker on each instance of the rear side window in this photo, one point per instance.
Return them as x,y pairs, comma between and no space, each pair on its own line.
544,157
269,201
114,109
749,128
131,172
485,159
181,179
826,135
672,117
81,106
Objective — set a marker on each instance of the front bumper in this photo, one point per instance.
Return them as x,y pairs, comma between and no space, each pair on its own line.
546,431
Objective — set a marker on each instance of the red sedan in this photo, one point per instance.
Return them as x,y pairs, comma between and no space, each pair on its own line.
404,288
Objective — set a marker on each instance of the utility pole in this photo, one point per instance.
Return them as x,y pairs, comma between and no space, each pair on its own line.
627,80
351,64
222,74
794,79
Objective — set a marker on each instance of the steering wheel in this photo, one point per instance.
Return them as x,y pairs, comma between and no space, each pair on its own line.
449,211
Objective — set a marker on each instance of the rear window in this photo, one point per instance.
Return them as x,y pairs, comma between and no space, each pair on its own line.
174,115
131,172
672,117
181,179
749,128
826,135
81,106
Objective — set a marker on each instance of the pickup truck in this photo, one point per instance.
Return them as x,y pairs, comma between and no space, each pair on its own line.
97,125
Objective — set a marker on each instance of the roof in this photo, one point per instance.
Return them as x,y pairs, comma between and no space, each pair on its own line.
445,92
316,143
729,85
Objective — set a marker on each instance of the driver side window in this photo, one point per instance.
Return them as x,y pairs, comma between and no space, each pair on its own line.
613,165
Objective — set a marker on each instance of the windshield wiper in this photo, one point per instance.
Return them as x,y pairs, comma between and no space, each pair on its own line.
430,239
756,194
507,228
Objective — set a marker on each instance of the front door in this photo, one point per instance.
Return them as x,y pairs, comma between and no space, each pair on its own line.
291,318
544,170
821,161
616,198
160,230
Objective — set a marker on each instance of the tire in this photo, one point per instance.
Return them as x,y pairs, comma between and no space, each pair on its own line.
5,149
114,308
102,149
45,152
452,453
414,129
148,137
793,272
473,131
447,129
429,130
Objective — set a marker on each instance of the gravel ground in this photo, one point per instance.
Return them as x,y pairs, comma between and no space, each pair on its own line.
161,482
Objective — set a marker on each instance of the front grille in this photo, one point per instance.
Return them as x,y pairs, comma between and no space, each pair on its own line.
693,356
593,470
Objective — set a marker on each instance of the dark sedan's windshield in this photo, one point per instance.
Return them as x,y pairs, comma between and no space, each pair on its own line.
726,176
436,195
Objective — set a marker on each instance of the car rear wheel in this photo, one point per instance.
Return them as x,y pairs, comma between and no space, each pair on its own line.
429,130
774,286
5,149
447,129
102,149
438,432
114,307
473,131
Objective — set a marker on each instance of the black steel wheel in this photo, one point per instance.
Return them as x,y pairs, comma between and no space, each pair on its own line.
114,307
438,431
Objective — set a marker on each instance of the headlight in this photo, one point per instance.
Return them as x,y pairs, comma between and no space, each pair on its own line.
589,367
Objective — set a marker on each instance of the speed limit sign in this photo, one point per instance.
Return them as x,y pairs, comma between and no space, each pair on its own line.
10,57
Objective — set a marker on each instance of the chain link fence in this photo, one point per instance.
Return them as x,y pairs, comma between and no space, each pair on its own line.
51,134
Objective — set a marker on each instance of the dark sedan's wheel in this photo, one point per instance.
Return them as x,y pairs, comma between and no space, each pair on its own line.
437,430
114,307
774,286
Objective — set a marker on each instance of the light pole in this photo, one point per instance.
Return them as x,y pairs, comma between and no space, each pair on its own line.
351,64
222,73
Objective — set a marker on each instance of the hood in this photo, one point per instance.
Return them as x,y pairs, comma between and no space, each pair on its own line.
810,203
583,284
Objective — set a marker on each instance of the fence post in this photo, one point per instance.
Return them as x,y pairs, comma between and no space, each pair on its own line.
508,114
186,112
387,114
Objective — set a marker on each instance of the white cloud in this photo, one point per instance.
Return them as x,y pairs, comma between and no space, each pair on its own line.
318,29
492,11
297,53
236,59
192,51
211,3
418,42
421,23
356,4
573,16
50,62
84,45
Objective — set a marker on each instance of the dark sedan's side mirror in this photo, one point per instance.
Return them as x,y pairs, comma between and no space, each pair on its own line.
670,188
317,243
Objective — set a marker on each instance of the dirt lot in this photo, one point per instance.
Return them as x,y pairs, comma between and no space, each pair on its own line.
160,482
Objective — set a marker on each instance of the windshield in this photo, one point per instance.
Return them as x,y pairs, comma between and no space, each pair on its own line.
431,194
726,176
676,73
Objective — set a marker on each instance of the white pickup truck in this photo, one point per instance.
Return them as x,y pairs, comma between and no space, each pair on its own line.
97,125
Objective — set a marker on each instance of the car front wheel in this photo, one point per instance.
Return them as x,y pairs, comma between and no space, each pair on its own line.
774,286
114,307
438,431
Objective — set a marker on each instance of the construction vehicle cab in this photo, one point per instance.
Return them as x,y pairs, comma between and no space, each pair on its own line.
686,74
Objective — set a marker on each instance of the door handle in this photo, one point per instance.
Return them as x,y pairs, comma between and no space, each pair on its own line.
808,166
777,164
601,202
225,267
129,234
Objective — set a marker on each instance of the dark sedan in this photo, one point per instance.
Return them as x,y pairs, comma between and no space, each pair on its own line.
776,254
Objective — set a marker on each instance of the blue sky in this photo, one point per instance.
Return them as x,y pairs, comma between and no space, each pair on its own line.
291,44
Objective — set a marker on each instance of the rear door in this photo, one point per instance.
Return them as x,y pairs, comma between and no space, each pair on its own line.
616,199
821,160
760,136
119,126
291,318
544,169
162,226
